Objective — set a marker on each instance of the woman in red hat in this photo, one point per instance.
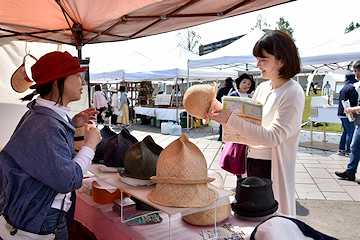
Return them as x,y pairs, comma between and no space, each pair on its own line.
283,100
39,168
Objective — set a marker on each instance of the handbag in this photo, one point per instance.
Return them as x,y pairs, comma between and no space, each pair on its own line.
233,158
9,232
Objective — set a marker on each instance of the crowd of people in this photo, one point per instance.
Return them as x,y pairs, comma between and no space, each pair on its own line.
113,103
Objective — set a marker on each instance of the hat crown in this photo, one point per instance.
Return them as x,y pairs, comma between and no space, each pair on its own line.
182,159
199,99
350,76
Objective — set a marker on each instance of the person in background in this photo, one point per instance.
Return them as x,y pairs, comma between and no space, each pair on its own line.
316,86
115,106
348,92
327,89
100,103
245,85
283,100
123,118
160,88
224,91
349,173
39,169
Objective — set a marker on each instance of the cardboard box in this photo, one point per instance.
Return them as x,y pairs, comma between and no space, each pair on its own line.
129,206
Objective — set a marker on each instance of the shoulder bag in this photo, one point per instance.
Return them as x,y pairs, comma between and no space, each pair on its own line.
233,158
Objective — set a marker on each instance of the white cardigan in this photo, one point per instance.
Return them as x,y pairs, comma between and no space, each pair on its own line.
280,131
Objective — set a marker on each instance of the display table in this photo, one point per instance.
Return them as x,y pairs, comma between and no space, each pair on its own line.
326,115
106,224
160,113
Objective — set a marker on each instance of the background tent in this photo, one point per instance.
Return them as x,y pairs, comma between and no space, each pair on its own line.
335,55
115,71
237,55
173,64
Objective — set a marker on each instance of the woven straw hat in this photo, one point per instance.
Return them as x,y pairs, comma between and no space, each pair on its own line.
20,81
181,177
141,159
206,217
200,100
79,138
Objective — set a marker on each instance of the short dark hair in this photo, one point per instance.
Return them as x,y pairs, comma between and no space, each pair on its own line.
46,89
122,89
228,81
246,76
282,46
357,65
97,87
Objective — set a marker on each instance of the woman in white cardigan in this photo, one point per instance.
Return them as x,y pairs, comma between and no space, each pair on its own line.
283,100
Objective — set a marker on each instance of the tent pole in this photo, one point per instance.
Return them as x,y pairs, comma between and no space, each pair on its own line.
187,87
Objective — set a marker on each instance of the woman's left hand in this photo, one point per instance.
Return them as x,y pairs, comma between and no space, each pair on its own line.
221,116
84,117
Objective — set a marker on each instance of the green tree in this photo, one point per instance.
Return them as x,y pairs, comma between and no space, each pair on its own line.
261,23
351,27
189,39
284,26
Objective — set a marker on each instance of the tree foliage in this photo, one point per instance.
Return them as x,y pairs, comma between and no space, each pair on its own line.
284,26
189,39
351,27
261,23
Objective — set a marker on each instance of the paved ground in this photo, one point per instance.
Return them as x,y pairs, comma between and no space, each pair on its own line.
325,202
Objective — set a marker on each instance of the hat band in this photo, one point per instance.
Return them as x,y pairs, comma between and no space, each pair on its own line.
181,181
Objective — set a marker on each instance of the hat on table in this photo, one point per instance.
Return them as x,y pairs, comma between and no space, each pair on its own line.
141,159
106,134
254,197
116,148
200,100
53,66
181,177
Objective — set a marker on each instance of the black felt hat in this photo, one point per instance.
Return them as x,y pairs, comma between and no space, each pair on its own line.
254,197
106,134
141,159
116,148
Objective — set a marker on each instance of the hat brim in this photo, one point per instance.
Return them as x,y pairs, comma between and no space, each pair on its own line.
213,97
77,70
180,181
134,181
243,213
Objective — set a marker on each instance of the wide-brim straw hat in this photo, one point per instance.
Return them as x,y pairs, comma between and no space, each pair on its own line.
113,89
200,100
141,159
207,217
20,81
181,176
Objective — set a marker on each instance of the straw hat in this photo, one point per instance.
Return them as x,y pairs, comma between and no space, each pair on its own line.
181,177
116,148
200,100
53,66
79,138
141,159
254,197
207,217
20,82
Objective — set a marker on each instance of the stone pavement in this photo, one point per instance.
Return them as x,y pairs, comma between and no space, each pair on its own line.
315,169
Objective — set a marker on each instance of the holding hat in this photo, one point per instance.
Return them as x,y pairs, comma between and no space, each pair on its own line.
39,167
181,177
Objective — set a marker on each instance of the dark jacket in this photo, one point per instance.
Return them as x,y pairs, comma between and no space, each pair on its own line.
224,91
348,92
36,164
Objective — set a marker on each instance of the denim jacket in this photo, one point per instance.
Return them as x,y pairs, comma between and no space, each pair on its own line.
35,165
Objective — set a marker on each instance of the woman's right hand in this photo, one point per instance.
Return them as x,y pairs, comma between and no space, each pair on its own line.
92,136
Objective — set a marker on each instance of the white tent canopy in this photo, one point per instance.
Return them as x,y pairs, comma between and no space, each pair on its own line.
115,70
235,55
173,64
336,54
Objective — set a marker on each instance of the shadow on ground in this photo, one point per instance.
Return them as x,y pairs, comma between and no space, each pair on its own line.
339,219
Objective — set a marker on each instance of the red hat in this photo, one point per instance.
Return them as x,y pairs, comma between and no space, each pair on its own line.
53,66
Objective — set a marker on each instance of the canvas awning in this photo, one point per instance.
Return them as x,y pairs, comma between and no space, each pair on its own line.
80,22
